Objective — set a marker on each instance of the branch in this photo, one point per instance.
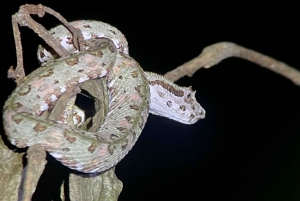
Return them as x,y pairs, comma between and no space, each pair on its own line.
22,18
215,53
36,161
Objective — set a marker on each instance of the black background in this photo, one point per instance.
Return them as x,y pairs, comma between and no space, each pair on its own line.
247,147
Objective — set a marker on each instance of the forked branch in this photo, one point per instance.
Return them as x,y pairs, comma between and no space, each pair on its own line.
23,18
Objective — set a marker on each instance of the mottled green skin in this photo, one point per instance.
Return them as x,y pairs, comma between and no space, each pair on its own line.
77,149
131,93
167,99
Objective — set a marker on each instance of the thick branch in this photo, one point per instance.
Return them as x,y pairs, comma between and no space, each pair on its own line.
36,161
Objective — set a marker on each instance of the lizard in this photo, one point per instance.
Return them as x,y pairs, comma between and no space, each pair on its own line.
129,105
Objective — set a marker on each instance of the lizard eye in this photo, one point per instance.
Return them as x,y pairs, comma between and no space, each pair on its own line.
189,95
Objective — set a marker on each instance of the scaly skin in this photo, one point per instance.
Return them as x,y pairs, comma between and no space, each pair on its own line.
77,149
167,99
129,98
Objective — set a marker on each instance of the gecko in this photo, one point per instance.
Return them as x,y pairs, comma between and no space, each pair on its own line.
133,93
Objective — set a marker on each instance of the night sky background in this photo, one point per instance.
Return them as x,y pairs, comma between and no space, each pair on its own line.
247,148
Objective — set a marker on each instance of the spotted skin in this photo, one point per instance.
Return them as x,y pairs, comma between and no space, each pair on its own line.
129,90
77,149
166,98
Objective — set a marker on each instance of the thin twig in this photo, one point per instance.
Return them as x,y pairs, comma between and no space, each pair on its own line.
23,18
19,74
215,53
78,39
